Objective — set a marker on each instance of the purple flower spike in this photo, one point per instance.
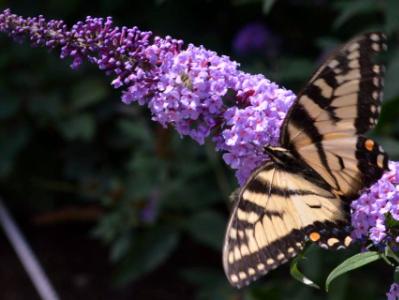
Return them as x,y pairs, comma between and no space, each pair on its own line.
183,87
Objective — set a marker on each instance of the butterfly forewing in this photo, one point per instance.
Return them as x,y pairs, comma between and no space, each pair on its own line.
341,101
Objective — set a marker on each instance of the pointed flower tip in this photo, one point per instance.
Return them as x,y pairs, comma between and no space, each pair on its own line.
201,94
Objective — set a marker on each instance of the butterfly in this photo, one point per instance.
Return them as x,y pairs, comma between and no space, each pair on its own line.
324,161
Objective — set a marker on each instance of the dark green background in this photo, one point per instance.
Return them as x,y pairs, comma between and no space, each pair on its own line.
78,168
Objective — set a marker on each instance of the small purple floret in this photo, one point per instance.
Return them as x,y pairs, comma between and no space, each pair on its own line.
393,293
372,210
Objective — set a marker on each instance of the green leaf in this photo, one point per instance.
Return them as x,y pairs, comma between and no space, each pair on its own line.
298,275
293,69
203,276
208,228
391,87
387,121
136,131
392,145
8,106
152,249
47,106
326,44
350,9
87,93
79,127
244,2
210,284
352,263
11,143
396,274
391,16
120,247
160,2
268,5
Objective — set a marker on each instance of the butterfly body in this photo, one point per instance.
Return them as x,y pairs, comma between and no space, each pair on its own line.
322,163
279,155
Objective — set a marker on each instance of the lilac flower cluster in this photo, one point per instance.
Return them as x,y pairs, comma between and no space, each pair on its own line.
187,88
255,124
377,207
191,90
393,293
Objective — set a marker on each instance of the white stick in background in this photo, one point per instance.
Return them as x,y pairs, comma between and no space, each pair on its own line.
26,256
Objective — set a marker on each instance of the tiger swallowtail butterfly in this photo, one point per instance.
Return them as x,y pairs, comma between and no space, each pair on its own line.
303,192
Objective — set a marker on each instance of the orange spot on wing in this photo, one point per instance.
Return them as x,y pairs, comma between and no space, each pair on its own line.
369,144
314,236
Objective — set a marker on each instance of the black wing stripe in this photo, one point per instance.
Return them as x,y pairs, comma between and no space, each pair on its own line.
303,117
258,186
321,100
331,235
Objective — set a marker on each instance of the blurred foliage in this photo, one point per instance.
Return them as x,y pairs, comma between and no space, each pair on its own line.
66,139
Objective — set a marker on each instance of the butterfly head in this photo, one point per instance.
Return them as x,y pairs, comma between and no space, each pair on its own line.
278,154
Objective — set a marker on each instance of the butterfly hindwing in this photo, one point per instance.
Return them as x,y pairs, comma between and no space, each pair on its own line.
341,101
276,212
